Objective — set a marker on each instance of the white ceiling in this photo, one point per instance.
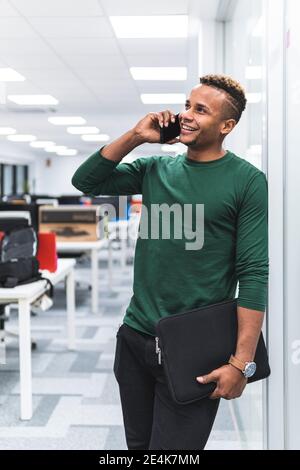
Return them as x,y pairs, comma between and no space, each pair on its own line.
68,49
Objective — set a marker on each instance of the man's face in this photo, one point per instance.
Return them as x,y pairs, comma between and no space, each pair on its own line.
203,118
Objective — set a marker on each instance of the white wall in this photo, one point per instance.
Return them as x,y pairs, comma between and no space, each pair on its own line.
211,47
55,179
10,156
13,155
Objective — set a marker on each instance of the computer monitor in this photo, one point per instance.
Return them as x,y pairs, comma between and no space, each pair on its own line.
120,205
34,197
69,199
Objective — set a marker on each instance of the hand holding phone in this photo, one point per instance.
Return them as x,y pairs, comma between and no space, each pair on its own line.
171,132
158,127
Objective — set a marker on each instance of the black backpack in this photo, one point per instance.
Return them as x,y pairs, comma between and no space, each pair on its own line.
18,262
20,242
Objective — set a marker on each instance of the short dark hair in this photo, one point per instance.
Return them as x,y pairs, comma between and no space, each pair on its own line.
235,92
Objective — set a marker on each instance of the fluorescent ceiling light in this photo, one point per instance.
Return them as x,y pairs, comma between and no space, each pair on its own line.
169,26
10,75
259,28
21,138
67,152
83,130
158,73
163,98
170,148
39,144
67,120
32,99
54,148
95,138
253,72
7,131
253,97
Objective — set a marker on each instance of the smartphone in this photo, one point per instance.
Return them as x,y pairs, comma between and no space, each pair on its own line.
170,132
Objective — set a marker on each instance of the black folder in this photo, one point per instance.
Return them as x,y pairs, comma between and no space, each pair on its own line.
196,342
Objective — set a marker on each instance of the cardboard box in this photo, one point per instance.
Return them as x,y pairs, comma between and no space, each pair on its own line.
71,223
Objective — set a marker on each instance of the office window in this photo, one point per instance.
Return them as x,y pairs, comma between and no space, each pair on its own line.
21,179
1,180
8,180
13,179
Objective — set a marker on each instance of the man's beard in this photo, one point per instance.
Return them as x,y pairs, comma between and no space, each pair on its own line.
193,143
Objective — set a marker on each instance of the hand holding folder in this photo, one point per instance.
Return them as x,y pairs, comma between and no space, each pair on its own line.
194,343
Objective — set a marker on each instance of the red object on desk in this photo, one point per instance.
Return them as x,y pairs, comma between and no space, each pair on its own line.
46,253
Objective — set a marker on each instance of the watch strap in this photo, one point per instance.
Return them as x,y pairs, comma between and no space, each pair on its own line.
234,361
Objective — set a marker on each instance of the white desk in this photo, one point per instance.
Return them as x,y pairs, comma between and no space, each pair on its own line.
24,295
93,248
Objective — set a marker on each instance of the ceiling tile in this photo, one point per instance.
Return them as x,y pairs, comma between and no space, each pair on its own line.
6,9
154,47
48,75
117,102
115,95
176,108
162,60
74,86
111,84
15,28
87,62
22,88
103,72
81,94
21,61
136,7
86,46
32,8
72,27
23,46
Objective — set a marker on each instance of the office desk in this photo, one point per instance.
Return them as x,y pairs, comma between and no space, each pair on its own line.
92,248
24,296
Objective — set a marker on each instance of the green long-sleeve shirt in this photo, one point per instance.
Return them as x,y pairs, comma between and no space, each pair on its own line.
170,276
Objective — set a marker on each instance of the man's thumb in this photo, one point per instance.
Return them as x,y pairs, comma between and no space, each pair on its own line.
206,379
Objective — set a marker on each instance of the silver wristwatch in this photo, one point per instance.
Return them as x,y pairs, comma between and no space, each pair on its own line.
247,368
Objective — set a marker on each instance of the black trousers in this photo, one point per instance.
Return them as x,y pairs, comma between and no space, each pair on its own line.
152,419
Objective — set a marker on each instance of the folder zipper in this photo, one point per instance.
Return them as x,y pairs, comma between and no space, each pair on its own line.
158,350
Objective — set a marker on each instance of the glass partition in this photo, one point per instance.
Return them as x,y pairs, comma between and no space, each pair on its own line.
245,61
292,227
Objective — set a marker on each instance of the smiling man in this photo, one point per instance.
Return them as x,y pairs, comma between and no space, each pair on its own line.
168,277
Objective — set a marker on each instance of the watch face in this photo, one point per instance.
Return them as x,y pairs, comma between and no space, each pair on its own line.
250,369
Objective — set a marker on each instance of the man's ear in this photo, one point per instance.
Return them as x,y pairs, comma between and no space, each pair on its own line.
228,126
